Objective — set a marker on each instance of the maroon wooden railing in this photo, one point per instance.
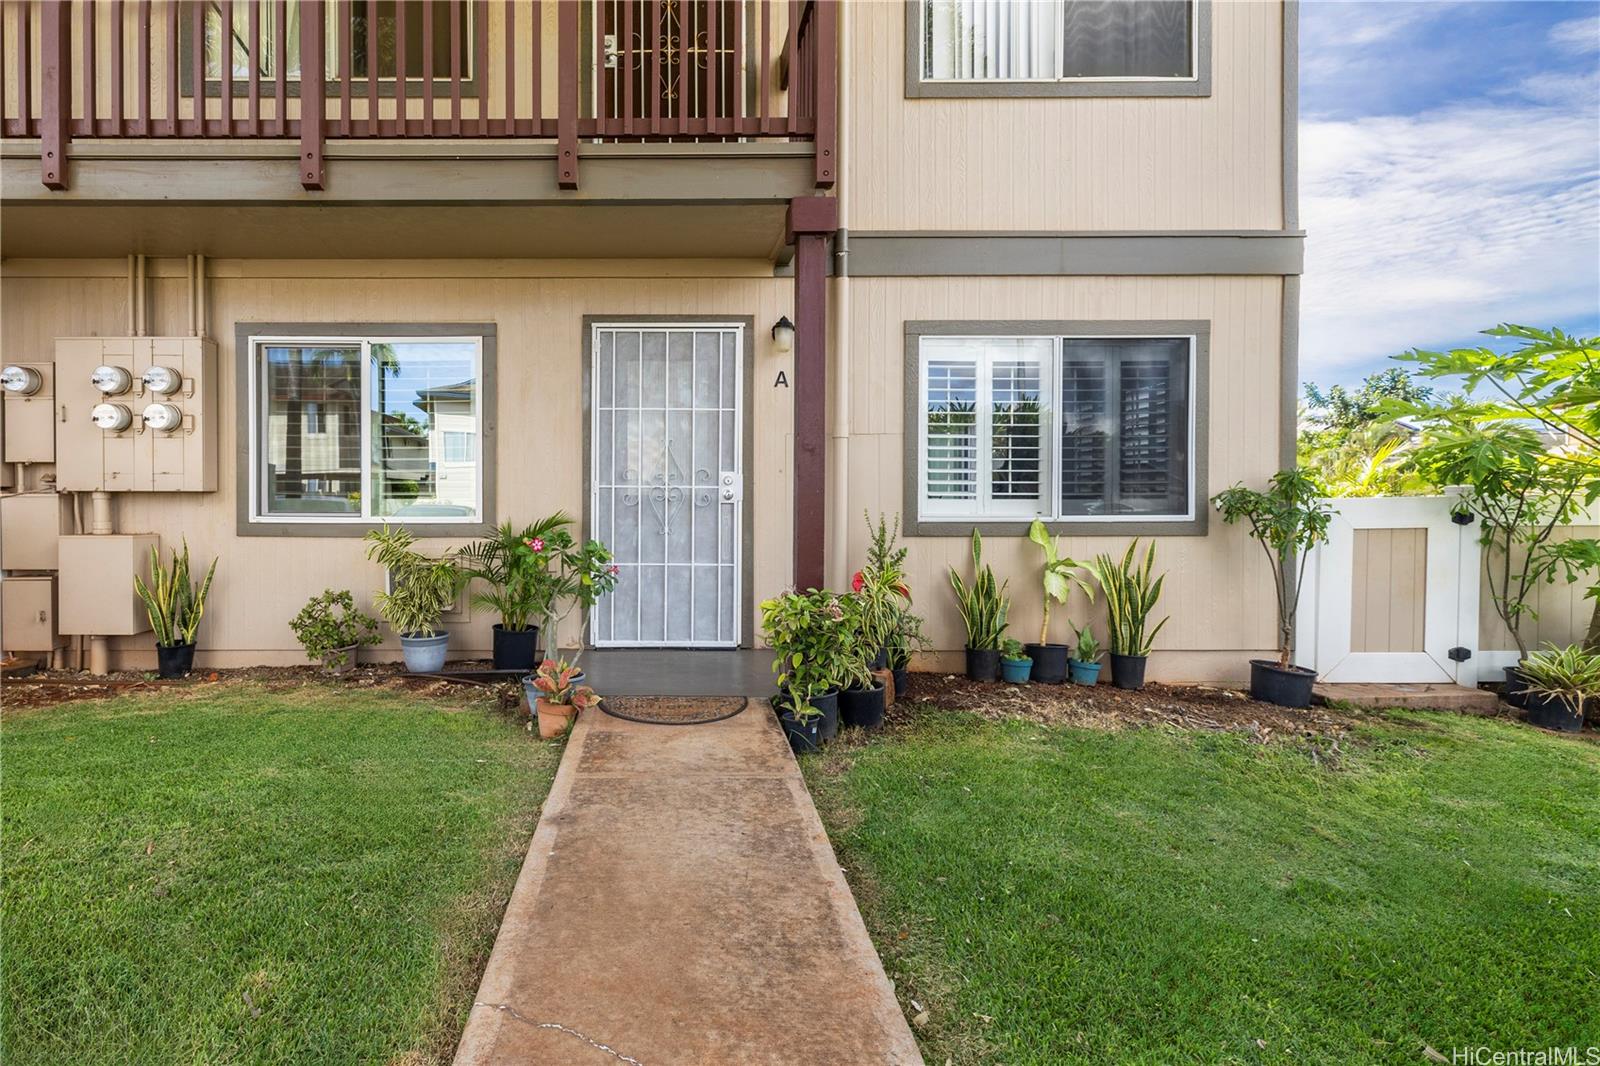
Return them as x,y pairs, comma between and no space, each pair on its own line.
621,70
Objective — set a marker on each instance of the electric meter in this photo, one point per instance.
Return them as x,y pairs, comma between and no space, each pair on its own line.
111,380
21,379
111,417
163,416
162,380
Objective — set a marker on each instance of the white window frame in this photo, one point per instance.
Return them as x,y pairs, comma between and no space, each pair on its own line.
1060,47
257,449
985,510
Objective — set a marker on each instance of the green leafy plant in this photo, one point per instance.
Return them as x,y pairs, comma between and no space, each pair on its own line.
984,604
422,587
814,639
907,637
1570,674
556,681
1132,591
1087,649
1288,520
330,623
1011,650
1060,575
521,568
586,574
174,604
880,586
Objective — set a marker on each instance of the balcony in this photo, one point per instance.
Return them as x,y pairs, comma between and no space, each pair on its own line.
539,103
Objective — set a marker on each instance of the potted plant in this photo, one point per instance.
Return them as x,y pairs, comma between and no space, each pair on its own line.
519,568
1015,663
583,575
813,638
907,637
557,696
175,606
1086,658
1560,681
1132,590
330,628
1288,520
421,589
1060,574
863,698
881,591
984,607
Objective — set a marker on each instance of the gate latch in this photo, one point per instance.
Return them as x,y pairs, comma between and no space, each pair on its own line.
730,486
1459,655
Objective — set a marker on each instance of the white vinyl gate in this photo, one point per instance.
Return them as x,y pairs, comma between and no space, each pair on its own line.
667,482
1393,595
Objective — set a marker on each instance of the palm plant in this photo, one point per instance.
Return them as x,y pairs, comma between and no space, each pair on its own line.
520,568
1060,575
173,603
422,587
984,604
1132,590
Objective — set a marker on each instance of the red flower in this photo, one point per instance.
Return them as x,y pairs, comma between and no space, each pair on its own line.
614,570
856,582
537,544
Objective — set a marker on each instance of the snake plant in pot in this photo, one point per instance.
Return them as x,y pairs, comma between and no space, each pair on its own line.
175,606
984,607
1288,520
1131,589
1060,575
421,589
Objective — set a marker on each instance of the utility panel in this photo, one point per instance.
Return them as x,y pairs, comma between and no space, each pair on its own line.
31,525
137,414
28,614
97,594
29,390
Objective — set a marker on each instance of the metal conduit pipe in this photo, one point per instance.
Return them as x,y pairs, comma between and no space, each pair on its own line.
839,507
200,295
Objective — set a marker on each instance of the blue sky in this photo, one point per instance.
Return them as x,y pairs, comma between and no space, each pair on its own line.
1449,174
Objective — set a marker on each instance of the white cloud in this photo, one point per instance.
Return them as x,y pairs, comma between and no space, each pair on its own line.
1577,36
1423,229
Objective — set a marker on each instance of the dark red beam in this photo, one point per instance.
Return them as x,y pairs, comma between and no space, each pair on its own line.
812,220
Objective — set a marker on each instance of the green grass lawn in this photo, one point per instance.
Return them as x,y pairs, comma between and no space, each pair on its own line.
1055,895
232,874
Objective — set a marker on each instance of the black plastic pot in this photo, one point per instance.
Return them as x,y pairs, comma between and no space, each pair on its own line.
880,661
828,704
1127,671
902,680
1286,686
174,660
516,649
862,707
802,736
1515,690
1049,662
983,664
1552,712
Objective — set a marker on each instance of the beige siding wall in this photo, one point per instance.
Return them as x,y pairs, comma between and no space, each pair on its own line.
1390,590
262,581
1069,164
1218,589
1564,612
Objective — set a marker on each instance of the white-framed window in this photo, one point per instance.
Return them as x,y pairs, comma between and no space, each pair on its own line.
353,430
1052,41
1064,428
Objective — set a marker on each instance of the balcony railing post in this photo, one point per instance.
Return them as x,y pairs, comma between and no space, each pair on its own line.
55,91
313,73
568,54
825,49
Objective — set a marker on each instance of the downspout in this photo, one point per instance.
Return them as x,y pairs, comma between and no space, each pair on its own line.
839,506
200,295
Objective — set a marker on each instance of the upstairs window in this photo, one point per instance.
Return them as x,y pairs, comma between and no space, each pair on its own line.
1061,428
361,31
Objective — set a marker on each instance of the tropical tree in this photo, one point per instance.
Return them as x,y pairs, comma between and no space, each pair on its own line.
1352,444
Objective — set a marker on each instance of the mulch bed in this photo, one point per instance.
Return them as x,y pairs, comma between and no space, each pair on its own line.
1196,707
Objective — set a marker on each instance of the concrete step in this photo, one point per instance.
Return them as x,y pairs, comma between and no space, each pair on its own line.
1416,697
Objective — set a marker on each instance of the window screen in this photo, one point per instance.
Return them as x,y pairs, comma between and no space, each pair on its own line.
1052,40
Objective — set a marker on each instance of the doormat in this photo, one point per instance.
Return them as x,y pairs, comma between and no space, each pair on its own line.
674,710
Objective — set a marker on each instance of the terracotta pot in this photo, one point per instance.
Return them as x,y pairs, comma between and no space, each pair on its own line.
555,718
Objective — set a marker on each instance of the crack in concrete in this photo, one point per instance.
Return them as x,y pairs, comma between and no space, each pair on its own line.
506,1008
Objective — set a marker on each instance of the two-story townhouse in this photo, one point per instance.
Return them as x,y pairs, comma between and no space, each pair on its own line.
716,276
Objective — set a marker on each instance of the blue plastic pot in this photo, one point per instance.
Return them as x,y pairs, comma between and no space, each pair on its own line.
1015,671
1084,673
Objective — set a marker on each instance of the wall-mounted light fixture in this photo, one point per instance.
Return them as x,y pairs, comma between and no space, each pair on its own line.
783,336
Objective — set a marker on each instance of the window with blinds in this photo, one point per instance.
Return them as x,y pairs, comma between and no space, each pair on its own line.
369,430
1055,427
1056,40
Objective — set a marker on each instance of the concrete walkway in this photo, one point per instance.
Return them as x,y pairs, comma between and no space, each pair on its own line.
680,903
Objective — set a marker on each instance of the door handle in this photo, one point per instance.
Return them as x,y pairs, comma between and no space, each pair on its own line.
731,491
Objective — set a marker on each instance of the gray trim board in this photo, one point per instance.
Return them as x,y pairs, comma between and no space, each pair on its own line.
243,331
1212,253
1193,527
916,88
1291,114
747,534
1289,372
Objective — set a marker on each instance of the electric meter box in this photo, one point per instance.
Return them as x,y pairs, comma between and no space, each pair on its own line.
97,594
31,525
30,426
28,614
174,451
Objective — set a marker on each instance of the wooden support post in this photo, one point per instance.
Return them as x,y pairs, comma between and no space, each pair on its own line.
313,66
825,85
568,54
812,220
55,91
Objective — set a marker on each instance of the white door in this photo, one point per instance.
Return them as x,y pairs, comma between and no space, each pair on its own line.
1393,595
668,482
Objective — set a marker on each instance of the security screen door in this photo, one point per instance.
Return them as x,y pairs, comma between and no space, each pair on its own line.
668,482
